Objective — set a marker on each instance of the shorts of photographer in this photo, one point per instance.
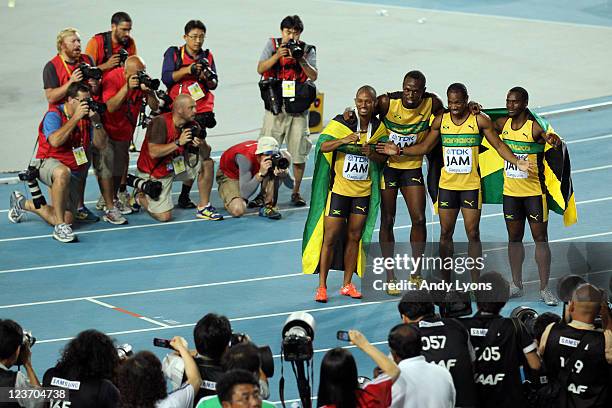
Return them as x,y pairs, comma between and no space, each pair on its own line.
46,167
113,160
164,202
291,129
228,188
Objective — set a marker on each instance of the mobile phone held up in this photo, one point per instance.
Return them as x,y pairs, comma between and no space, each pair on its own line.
343,335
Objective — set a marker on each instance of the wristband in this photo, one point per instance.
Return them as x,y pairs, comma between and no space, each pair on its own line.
97,125
177,142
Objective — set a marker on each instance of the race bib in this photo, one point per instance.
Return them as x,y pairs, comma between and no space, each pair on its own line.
288,89
513,171
458,160
195,91
178,163
79,155
402,140
355,167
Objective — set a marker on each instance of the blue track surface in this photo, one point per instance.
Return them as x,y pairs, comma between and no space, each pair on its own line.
247,269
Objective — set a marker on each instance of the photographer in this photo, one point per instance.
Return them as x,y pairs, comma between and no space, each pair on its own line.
338,385
445,343
14,351
191,70
105,47
579,356
169,148
245,167
288,67
125,91
86,369
501,344
141,380
64,136
63,69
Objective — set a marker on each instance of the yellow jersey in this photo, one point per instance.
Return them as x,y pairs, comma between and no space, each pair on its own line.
407,127
352,173
460,148
518,183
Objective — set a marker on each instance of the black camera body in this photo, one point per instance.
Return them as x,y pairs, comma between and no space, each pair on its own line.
278,161
123,56
271,94
27,342
96,106
196,132
90,72
152,188
207,70
298,335
165,101
147,81
295,48
265,353
30,176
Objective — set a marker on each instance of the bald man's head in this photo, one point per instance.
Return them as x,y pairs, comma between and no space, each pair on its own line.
133,64
586,303
184,107
368,89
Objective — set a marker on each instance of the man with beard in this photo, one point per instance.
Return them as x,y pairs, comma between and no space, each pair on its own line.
105,47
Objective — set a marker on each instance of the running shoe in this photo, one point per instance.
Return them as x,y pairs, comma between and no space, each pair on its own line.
101,204
350,290
297,200
84,215
123,208
547,297
321,295
270,213
515,291
186,203
394,291
209,213
114,216
17,207
257,202
63,233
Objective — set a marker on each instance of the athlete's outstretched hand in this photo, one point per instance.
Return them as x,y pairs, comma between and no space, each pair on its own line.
474,107
553,139
388,148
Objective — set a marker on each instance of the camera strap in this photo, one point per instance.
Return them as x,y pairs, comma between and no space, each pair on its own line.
281,382
108,45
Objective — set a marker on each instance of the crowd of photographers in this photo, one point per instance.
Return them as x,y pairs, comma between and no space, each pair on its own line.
435,361
99,97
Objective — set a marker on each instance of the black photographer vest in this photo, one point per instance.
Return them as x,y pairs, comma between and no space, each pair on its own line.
87,394
445,343
7,380
499,344
577,359
211,372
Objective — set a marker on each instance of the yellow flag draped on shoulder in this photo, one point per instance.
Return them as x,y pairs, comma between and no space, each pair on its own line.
322,182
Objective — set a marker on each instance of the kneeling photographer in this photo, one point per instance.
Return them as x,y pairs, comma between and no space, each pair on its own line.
15,350
245,167
64,138
173,150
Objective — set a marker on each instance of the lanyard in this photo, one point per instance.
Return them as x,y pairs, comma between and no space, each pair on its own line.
66,65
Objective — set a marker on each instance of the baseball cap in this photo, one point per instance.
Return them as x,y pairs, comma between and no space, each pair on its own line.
266,144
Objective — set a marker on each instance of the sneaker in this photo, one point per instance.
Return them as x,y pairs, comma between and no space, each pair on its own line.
63,233
133,204
186,203
114,216
515,291
350,290
209,213
257,202
124,197
297,200
394,291
270,213
101,204
321,295
123,209
17,210
84,215
547,297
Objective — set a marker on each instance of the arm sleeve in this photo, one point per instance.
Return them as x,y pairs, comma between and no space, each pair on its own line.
92,49
248,183
168,68
51,123
50,79
267,51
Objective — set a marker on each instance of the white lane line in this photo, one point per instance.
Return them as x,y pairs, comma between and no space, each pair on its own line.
588,139
199,251
160,290
592,169
126,312
236,319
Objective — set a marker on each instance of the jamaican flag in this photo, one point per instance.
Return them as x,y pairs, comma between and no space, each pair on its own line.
322,182
557,173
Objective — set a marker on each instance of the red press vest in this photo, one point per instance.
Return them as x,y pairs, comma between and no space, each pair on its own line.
158,168
80,136
228,165
286,69
205,104
106,47
64,70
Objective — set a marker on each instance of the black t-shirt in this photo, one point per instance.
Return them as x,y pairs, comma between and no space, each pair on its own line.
8,379
87,394
447,343
500,345
210,371
582,352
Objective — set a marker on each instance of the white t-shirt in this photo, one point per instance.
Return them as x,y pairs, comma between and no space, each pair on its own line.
422,385
180,398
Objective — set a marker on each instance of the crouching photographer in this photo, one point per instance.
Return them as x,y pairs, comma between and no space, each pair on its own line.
64,138
245,167
15,347
172,150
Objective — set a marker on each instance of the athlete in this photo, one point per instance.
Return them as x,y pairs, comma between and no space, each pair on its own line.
525,192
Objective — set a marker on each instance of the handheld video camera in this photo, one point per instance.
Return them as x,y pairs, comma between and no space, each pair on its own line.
147,81
152,188
90,72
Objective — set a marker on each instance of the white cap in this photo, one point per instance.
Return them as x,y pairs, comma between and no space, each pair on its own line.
267,144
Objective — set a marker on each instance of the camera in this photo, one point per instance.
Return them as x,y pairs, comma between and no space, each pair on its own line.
278,161
28,342
270,93
298,335
125,351
196,131
265,353
165,101
527,316
208,72
147,81
90,72
295,48
123,55
30,176
95,106
152,188
455,304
